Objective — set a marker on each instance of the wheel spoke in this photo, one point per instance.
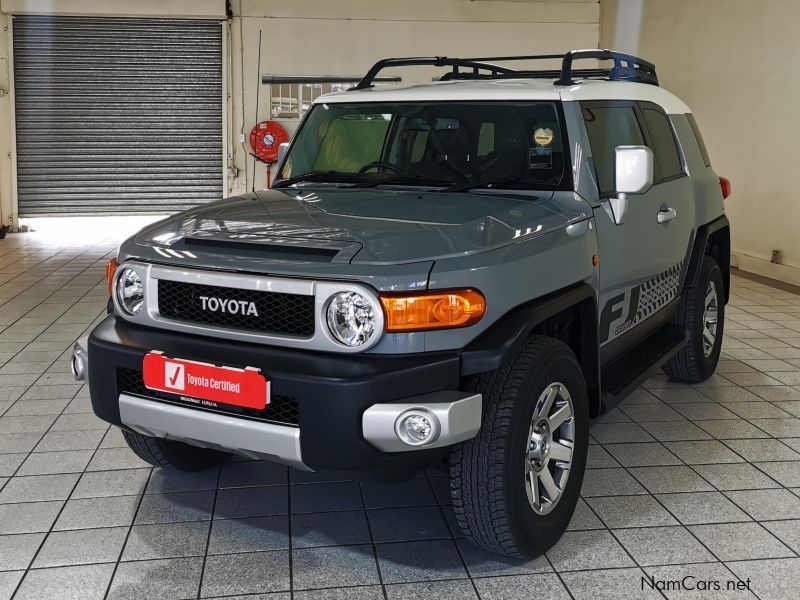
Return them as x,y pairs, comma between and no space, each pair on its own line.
549,484
708,336
561,415
548,402
710,297
533,488
560,452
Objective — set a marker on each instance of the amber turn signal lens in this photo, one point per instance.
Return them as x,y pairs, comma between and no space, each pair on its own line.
433,310
111,268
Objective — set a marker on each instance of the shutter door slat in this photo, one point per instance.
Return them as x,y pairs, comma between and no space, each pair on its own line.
117,115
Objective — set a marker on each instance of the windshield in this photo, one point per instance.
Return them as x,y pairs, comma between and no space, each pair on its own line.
450,144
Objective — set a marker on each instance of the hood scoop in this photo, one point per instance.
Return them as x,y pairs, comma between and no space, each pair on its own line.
276,249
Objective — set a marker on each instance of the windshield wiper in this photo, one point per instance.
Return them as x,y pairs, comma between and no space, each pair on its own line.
400,179
487,183
321,176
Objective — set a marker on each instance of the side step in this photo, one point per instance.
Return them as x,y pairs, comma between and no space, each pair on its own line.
629,371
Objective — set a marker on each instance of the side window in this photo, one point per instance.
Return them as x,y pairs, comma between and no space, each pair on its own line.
700,143
486,139
663,142
609,127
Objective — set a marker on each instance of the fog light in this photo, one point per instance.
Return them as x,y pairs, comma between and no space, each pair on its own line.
417,427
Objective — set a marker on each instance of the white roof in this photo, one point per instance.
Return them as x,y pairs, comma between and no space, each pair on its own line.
514,89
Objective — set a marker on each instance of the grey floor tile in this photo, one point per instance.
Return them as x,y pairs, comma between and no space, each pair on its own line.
18,442
334,566
608,584
157,579
415,492
762,450
38,488
786,531
757,410
326,497
785,473
81,547
167,540
55,441
732,429
631,511
30,517
518,587
128,482
610,482
773,579
703,452
363,592
584,518
17,551
702,507
583,550
49,463
701,411
671,431
662,546
253,573
252,502
656,411
9,463
619,433
740,541
116,511
8,583
86,582
252,534
164,480
739,476
642,454
670,479
407,524
431,590
420,561
175,507
330,529
789,427
243,474
599,458
765,505
109,459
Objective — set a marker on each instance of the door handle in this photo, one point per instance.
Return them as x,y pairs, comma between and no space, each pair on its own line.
666,214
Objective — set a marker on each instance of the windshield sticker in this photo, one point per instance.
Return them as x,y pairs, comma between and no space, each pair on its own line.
540,157
543,136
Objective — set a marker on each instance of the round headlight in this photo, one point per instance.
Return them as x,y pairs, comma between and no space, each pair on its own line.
130,291
351,318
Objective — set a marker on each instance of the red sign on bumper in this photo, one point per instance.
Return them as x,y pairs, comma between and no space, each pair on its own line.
227,385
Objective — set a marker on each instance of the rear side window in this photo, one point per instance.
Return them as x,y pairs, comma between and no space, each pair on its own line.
609,127
663,142
699,138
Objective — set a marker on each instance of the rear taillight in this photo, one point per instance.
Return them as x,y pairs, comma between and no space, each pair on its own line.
725,186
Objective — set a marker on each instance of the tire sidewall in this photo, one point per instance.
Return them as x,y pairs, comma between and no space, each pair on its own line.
536,533
710,272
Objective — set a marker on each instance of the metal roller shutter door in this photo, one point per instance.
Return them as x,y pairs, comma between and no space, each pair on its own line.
117,115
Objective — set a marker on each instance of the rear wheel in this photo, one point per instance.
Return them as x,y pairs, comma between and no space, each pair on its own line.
515,485
702,313
171,454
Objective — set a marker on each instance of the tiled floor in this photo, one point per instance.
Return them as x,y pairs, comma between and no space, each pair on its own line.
701,481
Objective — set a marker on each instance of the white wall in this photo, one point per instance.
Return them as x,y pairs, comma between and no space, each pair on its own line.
734,62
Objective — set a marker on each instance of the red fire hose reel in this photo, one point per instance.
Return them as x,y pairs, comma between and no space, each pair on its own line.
265,139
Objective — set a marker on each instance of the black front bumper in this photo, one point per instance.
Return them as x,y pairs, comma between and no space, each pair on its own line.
331,391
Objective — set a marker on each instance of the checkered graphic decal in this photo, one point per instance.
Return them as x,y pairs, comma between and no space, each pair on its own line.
657,292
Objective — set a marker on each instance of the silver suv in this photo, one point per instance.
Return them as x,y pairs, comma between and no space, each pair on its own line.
462,273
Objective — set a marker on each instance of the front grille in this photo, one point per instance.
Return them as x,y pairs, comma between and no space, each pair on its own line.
281,409
278,313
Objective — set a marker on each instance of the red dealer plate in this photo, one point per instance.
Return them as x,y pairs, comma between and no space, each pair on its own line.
227,385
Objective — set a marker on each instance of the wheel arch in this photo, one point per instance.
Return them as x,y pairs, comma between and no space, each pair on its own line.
712,239
569,315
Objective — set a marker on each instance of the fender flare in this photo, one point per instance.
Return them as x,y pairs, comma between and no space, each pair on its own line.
719,230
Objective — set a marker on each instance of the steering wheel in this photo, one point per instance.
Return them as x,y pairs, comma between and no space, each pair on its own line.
380,164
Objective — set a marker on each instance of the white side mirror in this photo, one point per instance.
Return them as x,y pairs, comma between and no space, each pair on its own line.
282,150
633,174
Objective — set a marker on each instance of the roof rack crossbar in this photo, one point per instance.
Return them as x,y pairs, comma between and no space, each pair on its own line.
626,67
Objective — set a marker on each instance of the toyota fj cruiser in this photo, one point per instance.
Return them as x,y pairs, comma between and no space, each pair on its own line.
463,272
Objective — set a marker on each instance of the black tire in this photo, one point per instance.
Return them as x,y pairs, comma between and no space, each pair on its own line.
171,454
487,473
691,365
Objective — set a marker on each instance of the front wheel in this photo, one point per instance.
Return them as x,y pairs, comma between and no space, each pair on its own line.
515,485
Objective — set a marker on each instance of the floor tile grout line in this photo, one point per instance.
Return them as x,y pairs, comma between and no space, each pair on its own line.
208,536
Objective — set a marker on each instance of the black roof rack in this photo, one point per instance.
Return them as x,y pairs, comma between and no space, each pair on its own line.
626,67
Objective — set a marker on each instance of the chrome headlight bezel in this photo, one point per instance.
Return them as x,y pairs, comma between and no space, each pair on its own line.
129,301
366,310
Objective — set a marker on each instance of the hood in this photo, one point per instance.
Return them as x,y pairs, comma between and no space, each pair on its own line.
361,226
